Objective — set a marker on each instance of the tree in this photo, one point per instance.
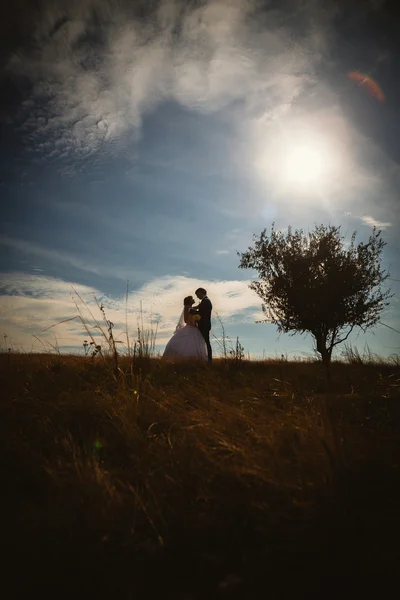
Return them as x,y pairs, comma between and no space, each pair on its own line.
316,283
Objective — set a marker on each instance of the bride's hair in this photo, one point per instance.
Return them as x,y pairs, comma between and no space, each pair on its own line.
188,301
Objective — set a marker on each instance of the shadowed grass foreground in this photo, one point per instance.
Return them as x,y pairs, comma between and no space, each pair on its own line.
182,481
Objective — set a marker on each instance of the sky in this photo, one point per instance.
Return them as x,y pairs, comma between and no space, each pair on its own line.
142,144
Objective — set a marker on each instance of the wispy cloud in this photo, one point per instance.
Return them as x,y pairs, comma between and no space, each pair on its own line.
67,258
30,304
47,254
97,69
372,222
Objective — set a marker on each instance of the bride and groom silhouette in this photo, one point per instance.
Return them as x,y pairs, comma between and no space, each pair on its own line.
191,339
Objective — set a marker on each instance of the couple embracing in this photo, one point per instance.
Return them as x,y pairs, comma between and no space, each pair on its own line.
191,339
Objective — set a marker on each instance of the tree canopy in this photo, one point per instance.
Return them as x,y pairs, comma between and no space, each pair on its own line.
318,283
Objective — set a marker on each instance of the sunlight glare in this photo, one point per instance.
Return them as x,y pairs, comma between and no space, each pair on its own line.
306,161
305,164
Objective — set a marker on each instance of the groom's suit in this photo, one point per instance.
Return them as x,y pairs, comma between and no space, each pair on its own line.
204,310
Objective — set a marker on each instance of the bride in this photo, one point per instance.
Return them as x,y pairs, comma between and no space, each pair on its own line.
187,341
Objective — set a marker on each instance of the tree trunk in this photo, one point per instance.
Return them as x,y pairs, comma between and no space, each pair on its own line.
326,354
326,357
323,350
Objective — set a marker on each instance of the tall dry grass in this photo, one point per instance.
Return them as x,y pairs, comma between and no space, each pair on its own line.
193,482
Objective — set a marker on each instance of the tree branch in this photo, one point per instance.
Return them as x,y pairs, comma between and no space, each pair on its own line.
345,337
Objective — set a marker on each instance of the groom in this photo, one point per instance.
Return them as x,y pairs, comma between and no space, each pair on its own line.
204,310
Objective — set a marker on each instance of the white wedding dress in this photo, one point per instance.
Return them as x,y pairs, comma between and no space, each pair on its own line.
187,341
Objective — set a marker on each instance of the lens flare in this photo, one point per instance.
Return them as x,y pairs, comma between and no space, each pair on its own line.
371,86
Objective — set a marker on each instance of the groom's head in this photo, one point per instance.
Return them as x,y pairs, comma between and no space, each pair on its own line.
200,293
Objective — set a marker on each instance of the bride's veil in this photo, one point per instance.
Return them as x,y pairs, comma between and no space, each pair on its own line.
181,322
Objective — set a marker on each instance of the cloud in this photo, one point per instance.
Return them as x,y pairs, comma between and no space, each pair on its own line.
372,222
222,252
41,252
96,69
64,258
30,304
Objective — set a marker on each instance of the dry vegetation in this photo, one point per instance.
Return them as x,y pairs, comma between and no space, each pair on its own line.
241,481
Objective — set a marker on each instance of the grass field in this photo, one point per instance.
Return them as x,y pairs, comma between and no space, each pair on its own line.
188,482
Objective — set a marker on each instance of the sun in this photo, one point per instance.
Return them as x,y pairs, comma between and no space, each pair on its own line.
300,161
305,163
